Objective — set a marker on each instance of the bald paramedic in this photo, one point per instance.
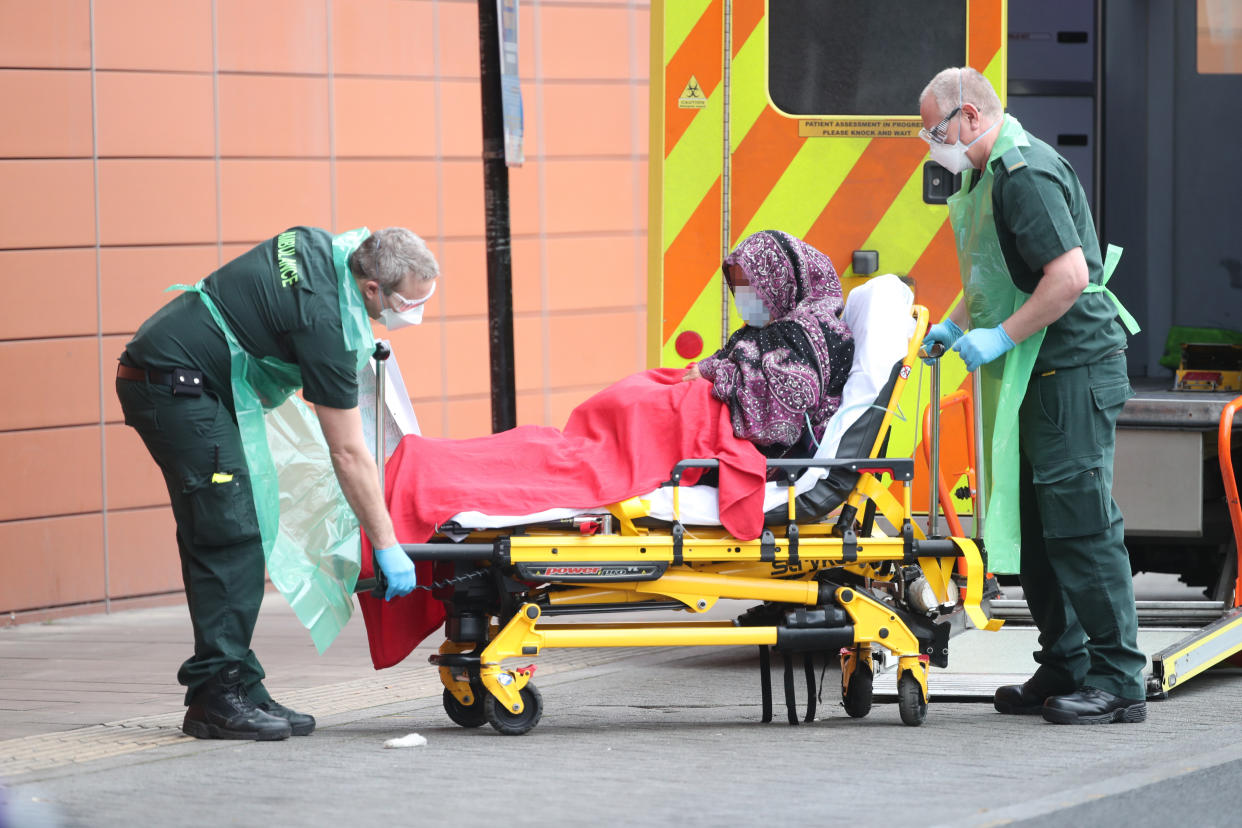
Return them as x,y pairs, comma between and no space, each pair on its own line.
1036,316
289,314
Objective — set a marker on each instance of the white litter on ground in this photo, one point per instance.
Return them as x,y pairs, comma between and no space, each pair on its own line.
413,740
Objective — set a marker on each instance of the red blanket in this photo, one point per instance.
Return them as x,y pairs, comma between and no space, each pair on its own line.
622,442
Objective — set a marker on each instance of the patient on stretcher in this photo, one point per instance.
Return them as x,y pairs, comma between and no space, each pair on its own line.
782,373
771,392
621,444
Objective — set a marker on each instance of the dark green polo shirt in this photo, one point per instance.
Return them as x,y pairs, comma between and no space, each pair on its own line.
280,299
1041,212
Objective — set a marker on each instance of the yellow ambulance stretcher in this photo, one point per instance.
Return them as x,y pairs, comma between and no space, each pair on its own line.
826,576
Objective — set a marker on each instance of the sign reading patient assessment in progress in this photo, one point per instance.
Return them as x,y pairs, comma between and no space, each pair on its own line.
858,127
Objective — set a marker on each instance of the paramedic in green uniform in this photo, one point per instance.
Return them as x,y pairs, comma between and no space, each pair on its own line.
1033,281
281,299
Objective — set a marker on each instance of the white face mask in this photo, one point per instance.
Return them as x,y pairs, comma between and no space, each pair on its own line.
411,314
750,307
393,320
953,156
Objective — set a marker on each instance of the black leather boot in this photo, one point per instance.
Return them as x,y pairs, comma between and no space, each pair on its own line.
1088,705
1020,699
222,710
302,724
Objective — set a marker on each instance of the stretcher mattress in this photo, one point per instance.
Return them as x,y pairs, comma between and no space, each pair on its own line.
879,314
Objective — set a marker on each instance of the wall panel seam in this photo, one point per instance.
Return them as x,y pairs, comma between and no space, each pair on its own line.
63,427
603,233
580,80
13,521
215,122
329,156
541,179
637,154
438,115
331,76
99,336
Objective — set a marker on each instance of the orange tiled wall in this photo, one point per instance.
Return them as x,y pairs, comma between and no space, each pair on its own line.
145,142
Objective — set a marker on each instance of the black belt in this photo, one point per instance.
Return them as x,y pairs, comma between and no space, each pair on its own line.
128,372
183,381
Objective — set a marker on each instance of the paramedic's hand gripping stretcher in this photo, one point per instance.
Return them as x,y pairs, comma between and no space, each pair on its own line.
837,568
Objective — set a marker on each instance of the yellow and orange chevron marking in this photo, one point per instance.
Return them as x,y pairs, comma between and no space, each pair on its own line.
840,194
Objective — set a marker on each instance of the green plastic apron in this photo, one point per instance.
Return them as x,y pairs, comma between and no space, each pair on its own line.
991,297
310,534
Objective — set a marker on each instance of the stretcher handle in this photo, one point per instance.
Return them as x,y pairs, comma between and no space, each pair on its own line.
449,552
901,468
981,469
381,355
376,585
933,464
934,353
433,552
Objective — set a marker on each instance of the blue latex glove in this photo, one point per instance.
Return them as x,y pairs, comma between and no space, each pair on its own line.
942,333
398,569
982,345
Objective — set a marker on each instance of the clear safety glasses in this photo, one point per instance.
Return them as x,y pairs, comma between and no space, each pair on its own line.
403,304
940,131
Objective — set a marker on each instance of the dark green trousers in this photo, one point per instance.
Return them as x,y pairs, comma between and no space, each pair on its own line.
1075,567
197,445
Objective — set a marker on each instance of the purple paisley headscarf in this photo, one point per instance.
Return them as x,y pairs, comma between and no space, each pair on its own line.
777,377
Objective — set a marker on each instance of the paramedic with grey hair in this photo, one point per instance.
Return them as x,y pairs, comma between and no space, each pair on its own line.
276,319
1049,337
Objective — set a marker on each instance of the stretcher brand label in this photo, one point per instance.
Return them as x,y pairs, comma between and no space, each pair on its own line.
591,572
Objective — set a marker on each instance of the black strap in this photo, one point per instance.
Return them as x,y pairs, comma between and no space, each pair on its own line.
849,545
765,681
791,538
767,547
808,666
791,703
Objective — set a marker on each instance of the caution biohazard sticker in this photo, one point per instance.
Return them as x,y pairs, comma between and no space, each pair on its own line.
693,96
858,127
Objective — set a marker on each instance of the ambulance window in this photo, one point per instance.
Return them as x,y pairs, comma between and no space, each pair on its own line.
860,57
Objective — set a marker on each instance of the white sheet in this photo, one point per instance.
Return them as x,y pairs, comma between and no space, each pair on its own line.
878,312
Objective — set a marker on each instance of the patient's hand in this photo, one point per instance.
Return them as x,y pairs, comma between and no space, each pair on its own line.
692,373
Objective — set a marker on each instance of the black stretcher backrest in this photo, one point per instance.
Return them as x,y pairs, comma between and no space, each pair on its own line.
830,492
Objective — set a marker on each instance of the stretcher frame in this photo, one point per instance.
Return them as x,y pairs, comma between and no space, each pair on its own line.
840,588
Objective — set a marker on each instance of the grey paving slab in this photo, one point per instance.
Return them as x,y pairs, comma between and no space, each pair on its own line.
648,741
629,737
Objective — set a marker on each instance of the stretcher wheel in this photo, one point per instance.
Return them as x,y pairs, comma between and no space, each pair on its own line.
514,724
856,699
910,700
466,715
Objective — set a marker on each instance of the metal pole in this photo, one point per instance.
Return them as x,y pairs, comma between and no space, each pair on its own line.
375,583
933,486
496,205
381,448
981,471
726,166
